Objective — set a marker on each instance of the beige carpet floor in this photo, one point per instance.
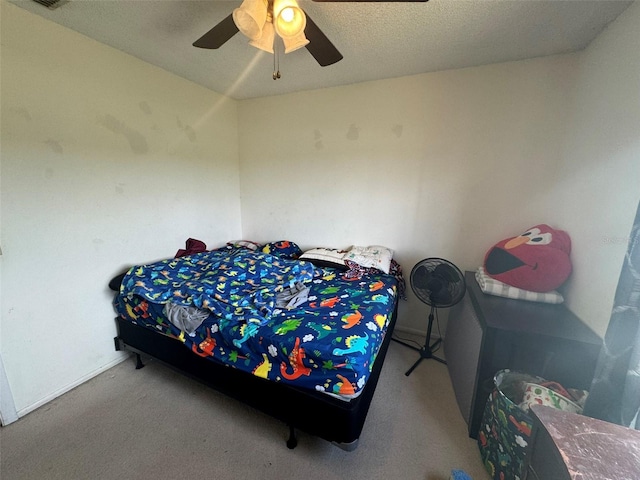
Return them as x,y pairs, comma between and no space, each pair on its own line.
157,424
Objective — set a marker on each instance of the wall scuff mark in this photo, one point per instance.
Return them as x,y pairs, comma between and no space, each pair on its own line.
318,138
137,141
55,146
353,133
144,106
21,111
188,131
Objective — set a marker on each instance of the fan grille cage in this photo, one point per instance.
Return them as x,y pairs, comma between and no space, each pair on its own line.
437,282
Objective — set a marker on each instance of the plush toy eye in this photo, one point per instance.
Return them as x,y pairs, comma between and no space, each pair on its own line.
531,233
540,239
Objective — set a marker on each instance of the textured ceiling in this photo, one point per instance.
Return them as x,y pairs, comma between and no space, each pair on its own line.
378,40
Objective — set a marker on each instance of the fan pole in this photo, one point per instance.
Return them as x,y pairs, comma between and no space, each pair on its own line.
428,348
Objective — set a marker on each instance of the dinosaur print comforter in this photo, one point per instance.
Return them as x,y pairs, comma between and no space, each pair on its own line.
327,343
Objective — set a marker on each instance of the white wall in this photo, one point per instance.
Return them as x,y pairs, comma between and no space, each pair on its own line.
446,164
442,164
106,161
597,186
436,165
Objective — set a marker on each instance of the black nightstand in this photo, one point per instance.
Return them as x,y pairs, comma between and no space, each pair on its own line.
486,333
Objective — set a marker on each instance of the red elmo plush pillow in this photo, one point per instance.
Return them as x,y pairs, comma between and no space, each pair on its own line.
538,260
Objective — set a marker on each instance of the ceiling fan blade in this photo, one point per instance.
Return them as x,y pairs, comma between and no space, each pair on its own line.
319,46
218,35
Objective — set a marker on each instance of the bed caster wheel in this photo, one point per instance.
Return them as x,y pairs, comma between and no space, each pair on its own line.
292,442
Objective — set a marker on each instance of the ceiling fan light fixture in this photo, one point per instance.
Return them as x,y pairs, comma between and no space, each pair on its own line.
250,18
291,44
289,19
265,42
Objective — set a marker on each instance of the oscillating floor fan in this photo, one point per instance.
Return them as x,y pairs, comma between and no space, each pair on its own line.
440,284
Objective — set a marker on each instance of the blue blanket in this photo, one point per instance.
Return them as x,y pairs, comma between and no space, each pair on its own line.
238,286
328,343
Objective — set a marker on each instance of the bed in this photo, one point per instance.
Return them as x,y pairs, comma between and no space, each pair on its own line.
297,337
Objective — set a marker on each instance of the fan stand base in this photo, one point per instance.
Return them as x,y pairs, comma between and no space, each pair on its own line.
426,352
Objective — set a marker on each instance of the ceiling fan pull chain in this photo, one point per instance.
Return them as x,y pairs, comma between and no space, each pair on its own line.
276,59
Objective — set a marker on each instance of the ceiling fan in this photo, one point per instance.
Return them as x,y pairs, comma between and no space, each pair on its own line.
262,20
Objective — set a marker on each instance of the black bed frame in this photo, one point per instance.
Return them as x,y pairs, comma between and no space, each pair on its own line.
316,413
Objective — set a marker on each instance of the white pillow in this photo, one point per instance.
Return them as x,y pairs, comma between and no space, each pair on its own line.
329,257
373,256
248,244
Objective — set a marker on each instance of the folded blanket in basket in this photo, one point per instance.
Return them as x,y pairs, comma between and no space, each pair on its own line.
492,286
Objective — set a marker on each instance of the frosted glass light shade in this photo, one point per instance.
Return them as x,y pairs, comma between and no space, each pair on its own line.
265,42
250,18
291,44
289,19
